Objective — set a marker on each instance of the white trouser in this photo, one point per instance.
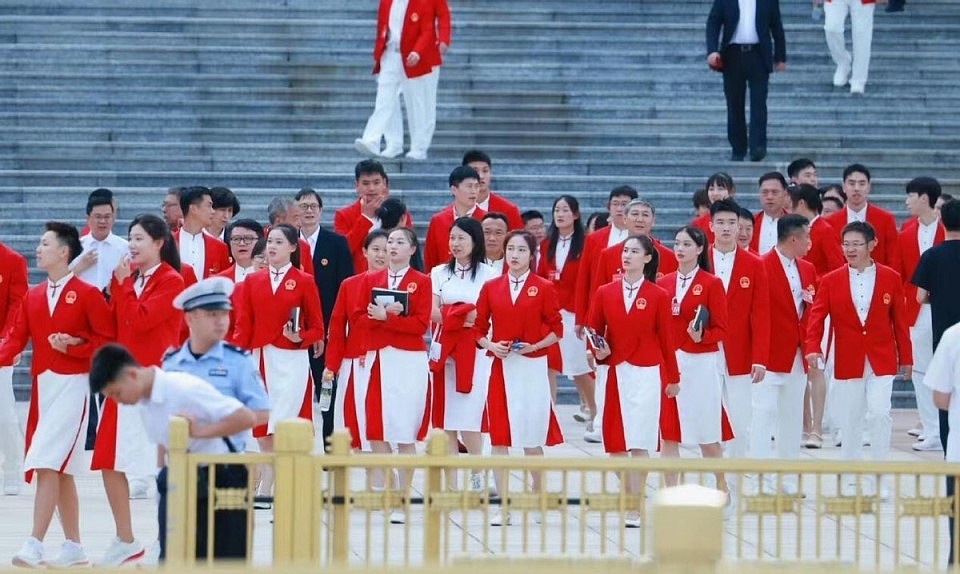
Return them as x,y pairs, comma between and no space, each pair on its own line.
861,25
386,110
921,337
861,402
778,412
738,400
11,437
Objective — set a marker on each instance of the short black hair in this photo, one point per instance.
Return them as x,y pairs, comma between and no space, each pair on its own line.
808,194
99,196
925,186
369,167
623,191
861,227
475,155
773,175
701,198
249,224
789,225
108,362
496,215
946,197
746,213
309,191
856,168
835,187
832,200
798,165
192,195
222,198
950,215
67,236
725,206
460,173
529,214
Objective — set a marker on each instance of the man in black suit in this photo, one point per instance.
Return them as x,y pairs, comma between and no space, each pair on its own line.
745,55
332,263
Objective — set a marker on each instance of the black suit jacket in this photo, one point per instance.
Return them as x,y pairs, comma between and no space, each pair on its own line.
725,14
332,263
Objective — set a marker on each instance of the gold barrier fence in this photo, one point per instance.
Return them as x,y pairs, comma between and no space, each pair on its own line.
348,509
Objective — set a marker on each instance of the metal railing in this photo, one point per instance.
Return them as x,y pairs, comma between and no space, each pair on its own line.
348,509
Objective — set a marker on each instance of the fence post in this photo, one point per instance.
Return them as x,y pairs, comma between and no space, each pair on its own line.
340,489
178,511
437,447
294,490
688,529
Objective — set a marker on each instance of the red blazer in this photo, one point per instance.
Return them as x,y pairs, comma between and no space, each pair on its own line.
703,223
643,336
13,285
908,257
884,339
885,225
436,248
593,246
306,258
234,299
81,311
825,251
149,325
400,332
748,314
757,224
349,222
535,314
610,262
419,34
262,314
216,254
706,289
566,283
347,334
498,204
788,331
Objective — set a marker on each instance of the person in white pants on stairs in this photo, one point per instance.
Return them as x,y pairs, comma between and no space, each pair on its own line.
853,67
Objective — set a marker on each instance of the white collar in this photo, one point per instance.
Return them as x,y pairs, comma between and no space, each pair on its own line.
282,271
149,272
110,239
522,279
786,261
928,226
399,273
313,236
869,270
862,214
63,281
194,236
628,286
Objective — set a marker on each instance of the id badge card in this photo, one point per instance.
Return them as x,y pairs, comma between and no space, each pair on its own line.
675,307
434,352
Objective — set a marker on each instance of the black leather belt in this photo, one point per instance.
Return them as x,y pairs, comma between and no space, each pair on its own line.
743,47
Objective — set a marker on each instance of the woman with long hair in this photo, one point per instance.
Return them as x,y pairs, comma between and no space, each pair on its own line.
461,371
631,316
141,292
347,343
518,320
699,319
279,319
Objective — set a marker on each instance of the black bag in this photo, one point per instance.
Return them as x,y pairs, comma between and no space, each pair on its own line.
230,526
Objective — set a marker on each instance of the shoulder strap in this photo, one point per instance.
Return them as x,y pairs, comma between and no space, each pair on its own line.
229,444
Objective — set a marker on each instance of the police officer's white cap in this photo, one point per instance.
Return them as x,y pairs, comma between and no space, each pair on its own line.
212,293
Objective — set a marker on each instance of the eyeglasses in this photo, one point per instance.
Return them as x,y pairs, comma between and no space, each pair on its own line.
102,217
309,206
853,245
243,240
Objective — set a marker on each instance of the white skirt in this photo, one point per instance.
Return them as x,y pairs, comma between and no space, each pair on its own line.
286,373
464,411
638,392
699,402
529,405
404,387
573,350
56,426
353,379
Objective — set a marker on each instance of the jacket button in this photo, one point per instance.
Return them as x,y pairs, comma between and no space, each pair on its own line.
863,332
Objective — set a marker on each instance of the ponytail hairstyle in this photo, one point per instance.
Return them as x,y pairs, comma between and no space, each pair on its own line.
700,239
650,269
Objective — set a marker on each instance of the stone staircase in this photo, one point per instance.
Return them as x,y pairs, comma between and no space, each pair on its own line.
266,96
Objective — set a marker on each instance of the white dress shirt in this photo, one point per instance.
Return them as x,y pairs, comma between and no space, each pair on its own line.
193,250
861,289
395,277
562,252
497,265
398,11
312,240
793,278
926,234
109,252
630,291
723,266
375,222
746,31
54,290
617,235
516,285
141,281
485,204
683,284
277,275
240,273
768,233
856,215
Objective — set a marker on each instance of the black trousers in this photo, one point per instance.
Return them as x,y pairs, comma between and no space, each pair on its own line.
230,526
316,369
740,70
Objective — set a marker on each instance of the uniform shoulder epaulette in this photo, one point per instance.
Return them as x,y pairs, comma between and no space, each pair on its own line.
236,349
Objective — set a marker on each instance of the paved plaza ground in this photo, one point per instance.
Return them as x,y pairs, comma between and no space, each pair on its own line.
569,533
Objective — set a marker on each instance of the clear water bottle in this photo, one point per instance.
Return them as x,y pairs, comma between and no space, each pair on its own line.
326,391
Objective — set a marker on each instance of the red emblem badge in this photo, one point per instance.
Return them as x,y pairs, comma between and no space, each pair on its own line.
532,291
641,303
887,298
745,282
411,287
1,278
70,297
414,17
290,285
697,289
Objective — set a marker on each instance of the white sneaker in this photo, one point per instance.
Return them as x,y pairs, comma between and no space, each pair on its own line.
500,518
632,520
417,155
391,153
71,556
841,76
593,436
11,484
930,443
397,517
30,555
119,553
366,148
915,432
857,89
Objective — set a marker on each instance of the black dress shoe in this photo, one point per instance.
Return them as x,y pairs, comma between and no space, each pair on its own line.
734,156
758,154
